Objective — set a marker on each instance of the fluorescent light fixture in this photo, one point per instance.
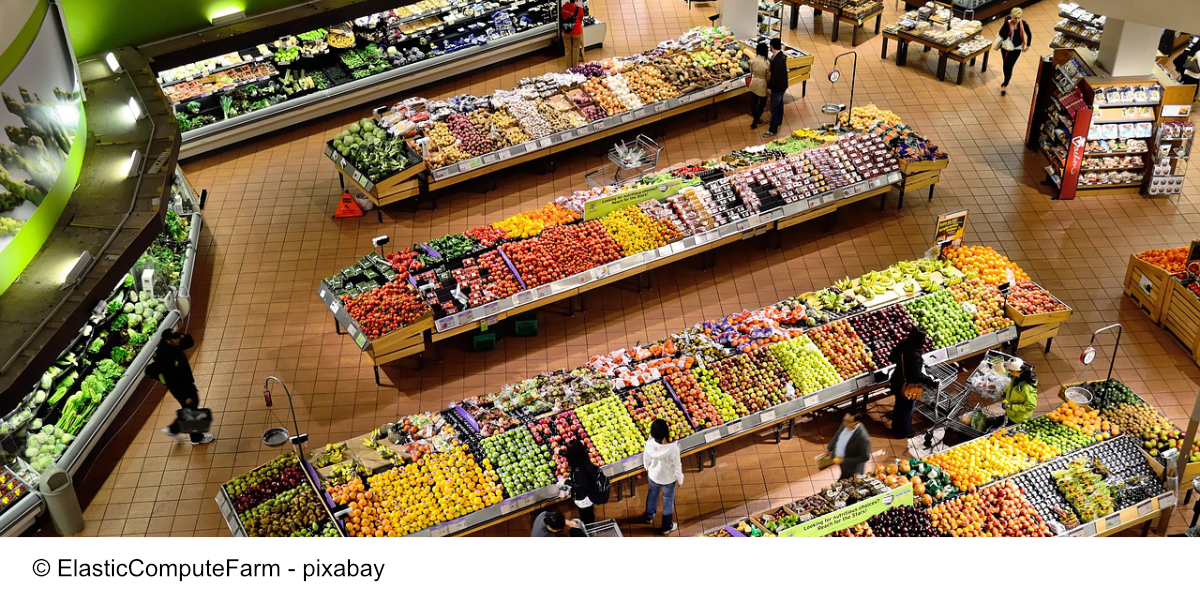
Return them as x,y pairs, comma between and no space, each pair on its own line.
135,109
135,164
71,275
226,15
113,64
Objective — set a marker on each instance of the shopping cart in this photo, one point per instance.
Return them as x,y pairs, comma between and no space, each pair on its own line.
939,404
605,528
985,386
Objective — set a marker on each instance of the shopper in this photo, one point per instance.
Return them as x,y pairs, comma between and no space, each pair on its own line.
171,368
850,446
906,377
1020,396
777,85
572,32
550,523
1190,73
664,471
1189,51
588,484
1014,39
760,67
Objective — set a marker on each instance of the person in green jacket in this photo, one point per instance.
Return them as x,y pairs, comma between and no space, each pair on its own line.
1020,397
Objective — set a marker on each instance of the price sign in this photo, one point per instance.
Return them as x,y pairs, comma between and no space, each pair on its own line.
505,154
712,436
508,508
489,158
456,526
491,308
333,307
597,126
583,278
632,463
1166,502
1112,521
810,401
768,415
1145,507
530,146
321,293
437,530
544,291
466,316
734,427
525,297
443,323
352,330
544,143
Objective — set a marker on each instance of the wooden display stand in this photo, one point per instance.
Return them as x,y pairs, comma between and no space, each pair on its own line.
1034,329
916,175
1181,316
946,53
855,21
1148,286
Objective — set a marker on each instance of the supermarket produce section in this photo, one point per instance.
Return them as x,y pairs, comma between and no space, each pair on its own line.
489,458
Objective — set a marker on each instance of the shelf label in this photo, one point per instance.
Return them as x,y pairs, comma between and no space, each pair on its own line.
810,401
466,316
544,291
1166,502
631,463
491,308
597,125
525,297
321,292
530,147
505,154
1145,507
768,415
1112,521
334,308
626,117
712,436
734,427
456,526
444,323
508,508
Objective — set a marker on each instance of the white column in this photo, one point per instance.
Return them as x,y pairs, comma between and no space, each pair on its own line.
1128,48
740,16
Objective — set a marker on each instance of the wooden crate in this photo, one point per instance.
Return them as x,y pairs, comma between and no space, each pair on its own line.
1181,315
403,337
1023,320
1147,285
924,179
1190,471
1036,334
918,166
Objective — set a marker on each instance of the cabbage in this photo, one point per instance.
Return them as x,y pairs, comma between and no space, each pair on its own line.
144,295
66,438
31,452
4,428
37,424
129,307
135,319
59,449
48,429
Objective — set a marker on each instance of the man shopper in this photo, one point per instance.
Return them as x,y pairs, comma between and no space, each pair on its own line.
171,368
777,85
572,32
550,523
850,446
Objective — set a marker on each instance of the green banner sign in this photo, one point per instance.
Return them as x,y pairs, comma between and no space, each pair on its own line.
852,515
594,209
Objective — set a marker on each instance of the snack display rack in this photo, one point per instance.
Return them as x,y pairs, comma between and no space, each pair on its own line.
280,82
855,13
1096,131
419,178
47,404
1078,29
935,28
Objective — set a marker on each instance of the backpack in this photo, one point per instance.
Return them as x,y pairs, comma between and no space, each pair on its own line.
601,489
569,25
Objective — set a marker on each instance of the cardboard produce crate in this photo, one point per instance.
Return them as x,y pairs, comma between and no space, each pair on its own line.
1147,285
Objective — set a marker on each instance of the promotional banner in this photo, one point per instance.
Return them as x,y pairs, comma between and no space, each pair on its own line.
594,209
852,515
951,229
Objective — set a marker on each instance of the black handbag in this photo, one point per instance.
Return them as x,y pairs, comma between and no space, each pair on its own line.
193,420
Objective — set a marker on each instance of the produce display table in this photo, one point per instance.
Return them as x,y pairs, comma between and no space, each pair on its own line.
855,20
1036,328
947,46
916,175
964,59
1148,285
1181,317
418,180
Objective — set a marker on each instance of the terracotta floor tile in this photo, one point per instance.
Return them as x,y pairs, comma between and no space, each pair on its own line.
270,199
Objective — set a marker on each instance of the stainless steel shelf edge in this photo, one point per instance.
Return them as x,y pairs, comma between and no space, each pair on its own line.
299,110
22,515
89,437
189,261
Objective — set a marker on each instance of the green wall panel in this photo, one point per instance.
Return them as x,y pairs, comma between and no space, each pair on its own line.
100,25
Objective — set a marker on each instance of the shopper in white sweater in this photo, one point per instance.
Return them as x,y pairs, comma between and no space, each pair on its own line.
664,471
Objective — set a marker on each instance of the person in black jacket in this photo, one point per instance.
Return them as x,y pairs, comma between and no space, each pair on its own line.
1014,39
777,85
171,369
910,368
582,480
850,446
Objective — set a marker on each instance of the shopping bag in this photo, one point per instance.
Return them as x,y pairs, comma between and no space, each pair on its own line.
193,420
825,461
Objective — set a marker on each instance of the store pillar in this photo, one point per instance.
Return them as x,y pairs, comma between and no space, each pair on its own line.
1128,48
741,17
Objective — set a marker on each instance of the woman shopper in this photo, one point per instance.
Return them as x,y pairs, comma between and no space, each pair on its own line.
909,372
582,480
850,446
760,67
664,472
572,32
1014,39
1020,396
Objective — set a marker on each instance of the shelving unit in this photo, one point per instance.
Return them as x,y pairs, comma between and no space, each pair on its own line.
770,19
1170,154
1078,28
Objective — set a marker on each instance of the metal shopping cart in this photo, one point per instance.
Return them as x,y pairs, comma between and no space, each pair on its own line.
986,386
939,404
605,528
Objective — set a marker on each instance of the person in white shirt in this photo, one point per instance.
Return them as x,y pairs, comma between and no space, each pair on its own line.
850,446
664,471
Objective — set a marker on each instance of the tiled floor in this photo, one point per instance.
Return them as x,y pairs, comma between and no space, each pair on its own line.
268,239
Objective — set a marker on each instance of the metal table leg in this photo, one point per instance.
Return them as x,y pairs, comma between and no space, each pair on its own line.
712,455
795,17
962,67
377,382
883,53
985,61
941,68
878,21
931,188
